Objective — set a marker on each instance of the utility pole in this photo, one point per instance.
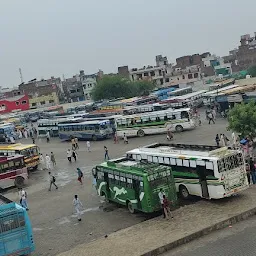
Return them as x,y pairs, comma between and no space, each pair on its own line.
21,77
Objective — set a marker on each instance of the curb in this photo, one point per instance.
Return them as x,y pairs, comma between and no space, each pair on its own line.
200,233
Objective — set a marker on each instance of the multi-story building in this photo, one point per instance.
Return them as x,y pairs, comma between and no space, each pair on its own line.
88,83
244,56
152,73
13,104
73,89
42,93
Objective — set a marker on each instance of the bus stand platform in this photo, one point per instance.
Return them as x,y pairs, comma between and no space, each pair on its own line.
155,236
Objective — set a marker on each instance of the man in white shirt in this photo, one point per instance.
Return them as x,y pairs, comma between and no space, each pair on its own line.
52,181
23,199
69,155
88,144
78,205
48,162
161,198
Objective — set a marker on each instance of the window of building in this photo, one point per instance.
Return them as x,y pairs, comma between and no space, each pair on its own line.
18,93
24,102
17,103
146,74
183,77
178,78
132,78
42,102
152,73
161,81
51,101
33,104
167,79
160,72
196,75
190,76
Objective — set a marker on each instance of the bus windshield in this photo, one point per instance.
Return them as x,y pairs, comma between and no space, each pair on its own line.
29,152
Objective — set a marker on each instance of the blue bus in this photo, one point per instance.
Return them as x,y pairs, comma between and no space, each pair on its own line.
16,237
88,130
8,129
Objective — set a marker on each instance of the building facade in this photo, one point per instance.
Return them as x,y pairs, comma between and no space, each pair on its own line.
44,100
88,83
14,104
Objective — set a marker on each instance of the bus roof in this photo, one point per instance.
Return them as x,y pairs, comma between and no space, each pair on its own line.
156,112
133,167
17,146
212,93
192,94
193,152
86,122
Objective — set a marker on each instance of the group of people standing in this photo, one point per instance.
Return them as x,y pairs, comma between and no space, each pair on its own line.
48,162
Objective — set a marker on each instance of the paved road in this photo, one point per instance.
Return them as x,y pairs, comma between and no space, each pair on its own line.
238,240
55,226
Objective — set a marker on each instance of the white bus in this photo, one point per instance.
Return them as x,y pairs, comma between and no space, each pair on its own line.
156,122
205,171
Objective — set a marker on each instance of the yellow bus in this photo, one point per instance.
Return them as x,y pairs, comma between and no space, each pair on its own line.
29,151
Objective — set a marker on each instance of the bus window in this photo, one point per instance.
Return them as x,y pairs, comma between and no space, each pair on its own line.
186,163
173,161
167,160
192,163
179,162
209,165
5,167
11,164
155,159
184,114
160,160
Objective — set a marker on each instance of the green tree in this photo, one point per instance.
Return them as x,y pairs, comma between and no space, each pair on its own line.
113,86
242,119
252,71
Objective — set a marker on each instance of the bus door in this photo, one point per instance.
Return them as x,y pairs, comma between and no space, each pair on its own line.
201,171
106,179
137,191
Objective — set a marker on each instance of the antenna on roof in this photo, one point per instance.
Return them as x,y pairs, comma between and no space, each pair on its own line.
21,77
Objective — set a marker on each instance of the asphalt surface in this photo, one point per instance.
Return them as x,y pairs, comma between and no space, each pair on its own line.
237,240
55,226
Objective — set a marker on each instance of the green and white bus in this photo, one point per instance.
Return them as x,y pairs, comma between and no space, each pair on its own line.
206,171
133,184
155,122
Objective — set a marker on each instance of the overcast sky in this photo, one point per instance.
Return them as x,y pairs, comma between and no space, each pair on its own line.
56,37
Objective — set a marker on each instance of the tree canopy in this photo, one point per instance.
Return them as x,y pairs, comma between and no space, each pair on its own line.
112,86
242,119
252,71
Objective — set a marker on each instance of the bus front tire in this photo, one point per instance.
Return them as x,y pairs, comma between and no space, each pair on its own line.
183,192
141,133
19,182
179,128
94,138
130,207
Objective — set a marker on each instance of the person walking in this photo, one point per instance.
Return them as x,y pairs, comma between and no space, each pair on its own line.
88,145
80,175
222,139
48,162
166,205
77,205
69,155
53,160
52,181
217,140
210,118
252,170
169,135
116,138
48,137
161,199
125,139
248,173
214,114
76,143
74,154
106,157
41,161
23,198
73,143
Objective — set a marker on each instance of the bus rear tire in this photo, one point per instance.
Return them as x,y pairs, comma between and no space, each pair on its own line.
94,138
183,192
179,128
130,207
19,182
141,133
